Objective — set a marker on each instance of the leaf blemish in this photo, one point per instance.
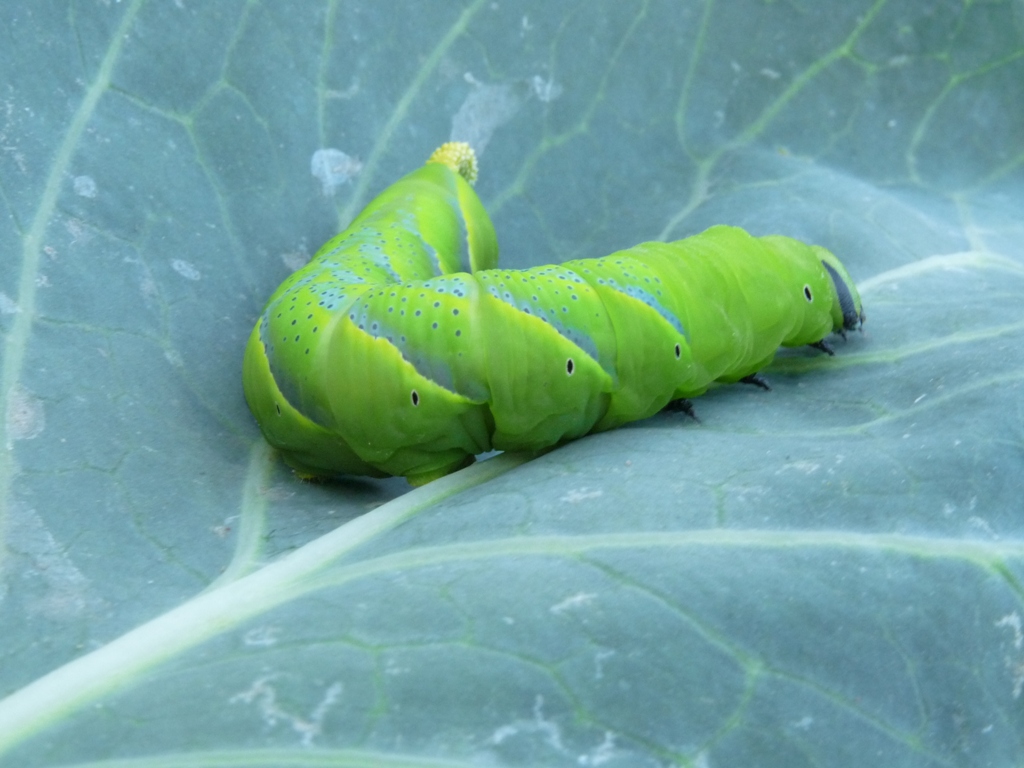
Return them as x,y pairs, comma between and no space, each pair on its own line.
25,416
576,495
261,637
574,601
186,269
264,696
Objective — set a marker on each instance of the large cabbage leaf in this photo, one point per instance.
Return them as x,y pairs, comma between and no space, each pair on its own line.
827,574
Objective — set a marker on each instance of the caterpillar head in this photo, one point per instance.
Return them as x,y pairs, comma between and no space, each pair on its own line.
823,290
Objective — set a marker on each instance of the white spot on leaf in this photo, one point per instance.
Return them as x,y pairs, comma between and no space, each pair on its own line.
1014,662
602,753
807,467
485,109
76,228
224,529
1012,620
295,259
38,557
545,90
576,495
147,285
8,306
539,725
348,93
85,186
261,637
599,659
982,524
333,168
25,416
575,601
264,696
186,269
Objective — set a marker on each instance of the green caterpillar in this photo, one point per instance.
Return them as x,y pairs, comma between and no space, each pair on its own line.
400,349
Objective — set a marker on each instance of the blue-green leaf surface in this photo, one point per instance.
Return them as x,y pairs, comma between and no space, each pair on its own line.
827,574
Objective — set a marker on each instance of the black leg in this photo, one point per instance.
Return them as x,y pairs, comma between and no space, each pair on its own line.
757,380
824,347
682,405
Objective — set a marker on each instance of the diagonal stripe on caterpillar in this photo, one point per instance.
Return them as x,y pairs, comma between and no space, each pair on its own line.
401,350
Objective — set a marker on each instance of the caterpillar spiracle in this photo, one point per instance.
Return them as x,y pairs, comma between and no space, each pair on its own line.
401,349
